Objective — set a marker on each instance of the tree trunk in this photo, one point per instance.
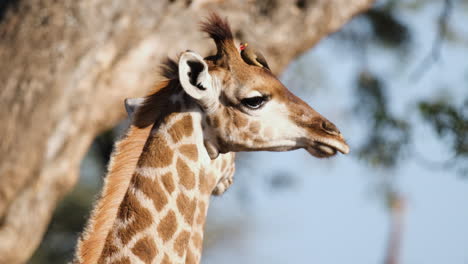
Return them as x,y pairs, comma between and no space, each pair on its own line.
67,66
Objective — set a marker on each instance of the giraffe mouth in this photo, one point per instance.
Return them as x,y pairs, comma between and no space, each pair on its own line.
327,148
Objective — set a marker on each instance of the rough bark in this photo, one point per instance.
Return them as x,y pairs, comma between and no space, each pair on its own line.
67,66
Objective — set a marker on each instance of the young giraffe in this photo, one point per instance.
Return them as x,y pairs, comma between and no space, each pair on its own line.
179,150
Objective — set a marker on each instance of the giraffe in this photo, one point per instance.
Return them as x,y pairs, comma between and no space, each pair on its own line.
180,149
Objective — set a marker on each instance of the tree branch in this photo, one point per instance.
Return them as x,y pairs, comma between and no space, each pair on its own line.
434,53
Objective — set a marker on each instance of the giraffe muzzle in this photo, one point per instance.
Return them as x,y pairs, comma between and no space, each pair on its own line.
328,147
324,138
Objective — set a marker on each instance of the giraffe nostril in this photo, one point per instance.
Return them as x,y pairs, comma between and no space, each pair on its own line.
330,128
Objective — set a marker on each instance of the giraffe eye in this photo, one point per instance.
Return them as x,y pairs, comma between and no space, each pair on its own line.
254,102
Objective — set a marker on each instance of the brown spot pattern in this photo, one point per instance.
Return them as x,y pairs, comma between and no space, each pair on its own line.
124,260
181,128
191,258
254,127
168,182
168,226
131,210
145,249
181,242
216,122
240,121
151,189
186,207
190,151
186,176
197,240
156,153
207,182
201,213
166,260
109,248
245,135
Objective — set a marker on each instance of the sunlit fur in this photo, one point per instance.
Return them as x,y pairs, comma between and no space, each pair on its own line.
122,165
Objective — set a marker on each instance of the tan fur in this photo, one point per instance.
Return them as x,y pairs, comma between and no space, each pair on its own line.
186,175
186,207
124,260
168,182
167,226
152,189
166,260
190,151
121,168
145,249
181,242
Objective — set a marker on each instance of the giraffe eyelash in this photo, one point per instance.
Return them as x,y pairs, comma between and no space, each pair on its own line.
255,102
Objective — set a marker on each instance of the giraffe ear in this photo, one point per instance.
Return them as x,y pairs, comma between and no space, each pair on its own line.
196,79
131,104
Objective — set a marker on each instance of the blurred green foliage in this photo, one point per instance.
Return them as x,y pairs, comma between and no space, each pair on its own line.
387,28
387,134
449,121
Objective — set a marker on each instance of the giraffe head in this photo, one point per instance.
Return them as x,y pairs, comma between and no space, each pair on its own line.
247,108
244,106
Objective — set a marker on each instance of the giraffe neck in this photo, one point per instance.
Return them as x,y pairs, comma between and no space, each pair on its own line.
161,217
155,197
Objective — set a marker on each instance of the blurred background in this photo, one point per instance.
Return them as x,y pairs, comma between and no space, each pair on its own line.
395,81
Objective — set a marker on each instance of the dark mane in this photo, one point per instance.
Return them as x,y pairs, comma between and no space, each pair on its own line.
169,69
157,104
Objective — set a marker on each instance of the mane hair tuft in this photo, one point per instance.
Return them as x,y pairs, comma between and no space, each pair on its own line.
218,28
